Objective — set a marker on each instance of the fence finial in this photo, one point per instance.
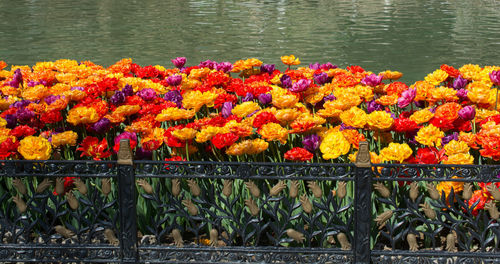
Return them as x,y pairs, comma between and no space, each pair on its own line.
363,158
125,153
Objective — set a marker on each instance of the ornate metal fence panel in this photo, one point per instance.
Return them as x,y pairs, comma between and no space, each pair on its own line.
424,213
58,211
202,212
245,212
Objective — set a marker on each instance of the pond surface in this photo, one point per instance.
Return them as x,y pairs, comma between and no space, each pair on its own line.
414,37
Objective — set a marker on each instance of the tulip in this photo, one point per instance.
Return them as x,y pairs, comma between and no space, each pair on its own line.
372,80
372,106
467,113
321,78
179,62
33,83
142,154
224,66
314,66
117,98
420,104
51,99
446,139
407,97
265,98
20,104
311,142
459,83
11,121
495,77
101,126
329,97
269,68
300,86
79,88
286,81
462,94
147,94
128,90
16,79
174,96
24,115
174,80
208,64
328,66
227,107
248,97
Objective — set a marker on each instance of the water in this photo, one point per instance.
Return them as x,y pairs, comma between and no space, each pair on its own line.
414,37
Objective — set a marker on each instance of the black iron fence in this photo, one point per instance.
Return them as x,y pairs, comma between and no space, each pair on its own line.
202,212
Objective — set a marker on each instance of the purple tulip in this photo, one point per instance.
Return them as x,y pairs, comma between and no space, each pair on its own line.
248,97
269,68
20,104
11,121
16,79
411,137
174,80
125,135
406,98
286,81
51,99
101,126
432,109
328,66
329,97
117,98
467,113
321,78
147,94
227,107
495,77
314,66
300,86
372,106
311,142
142,154
179,62
420,104
33,83
446,139
459,83
128,90
372,80
462,94
174,96
79,88
344,127
265,98
208,64
24,115
224,66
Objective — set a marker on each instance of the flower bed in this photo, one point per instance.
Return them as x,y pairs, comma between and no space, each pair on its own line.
252,112
248,111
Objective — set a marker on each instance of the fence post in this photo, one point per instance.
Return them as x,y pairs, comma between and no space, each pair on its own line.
362,205
127,204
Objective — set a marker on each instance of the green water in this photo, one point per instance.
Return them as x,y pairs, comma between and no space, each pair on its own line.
414,37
